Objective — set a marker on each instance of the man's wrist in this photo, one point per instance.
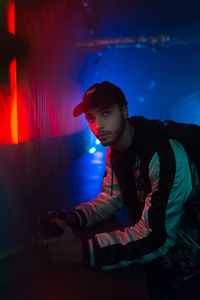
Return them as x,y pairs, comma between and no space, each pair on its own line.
75,219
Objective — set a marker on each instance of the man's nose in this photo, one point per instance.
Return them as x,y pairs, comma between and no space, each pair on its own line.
99,125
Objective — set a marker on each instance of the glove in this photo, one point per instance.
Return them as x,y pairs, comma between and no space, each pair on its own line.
47,227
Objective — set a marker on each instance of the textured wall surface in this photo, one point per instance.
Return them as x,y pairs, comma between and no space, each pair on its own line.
48,138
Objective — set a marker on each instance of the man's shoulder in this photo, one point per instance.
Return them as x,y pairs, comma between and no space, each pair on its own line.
137,119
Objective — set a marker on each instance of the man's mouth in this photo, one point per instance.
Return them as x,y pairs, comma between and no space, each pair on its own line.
102,136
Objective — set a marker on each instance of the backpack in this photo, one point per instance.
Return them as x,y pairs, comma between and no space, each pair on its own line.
189,136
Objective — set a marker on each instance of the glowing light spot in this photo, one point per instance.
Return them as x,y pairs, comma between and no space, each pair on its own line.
140,99
91,31
13,101
85,4
99,155
11,17
99,158
92,150
97,142
14,120
13,77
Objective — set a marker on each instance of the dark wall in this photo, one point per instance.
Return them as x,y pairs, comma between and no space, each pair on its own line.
27,170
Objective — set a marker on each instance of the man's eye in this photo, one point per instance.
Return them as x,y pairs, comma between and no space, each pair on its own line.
90,119
106,113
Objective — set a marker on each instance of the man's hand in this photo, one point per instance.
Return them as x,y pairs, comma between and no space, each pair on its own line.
66,248
46,226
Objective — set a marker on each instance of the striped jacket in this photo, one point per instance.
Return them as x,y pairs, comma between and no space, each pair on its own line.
160,227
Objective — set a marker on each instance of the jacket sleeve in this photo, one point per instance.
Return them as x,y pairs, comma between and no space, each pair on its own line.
105,205
156,231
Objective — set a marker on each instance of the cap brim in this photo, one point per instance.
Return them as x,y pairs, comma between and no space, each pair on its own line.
78,110
82,107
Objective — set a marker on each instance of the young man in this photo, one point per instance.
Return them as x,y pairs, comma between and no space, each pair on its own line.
151,175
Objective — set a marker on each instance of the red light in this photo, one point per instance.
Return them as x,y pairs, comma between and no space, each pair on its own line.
13,77
11,17
13,101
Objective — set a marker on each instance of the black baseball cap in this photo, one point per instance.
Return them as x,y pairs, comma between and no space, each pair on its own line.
103,93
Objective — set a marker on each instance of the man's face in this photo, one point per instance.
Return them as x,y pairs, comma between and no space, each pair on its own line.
107,123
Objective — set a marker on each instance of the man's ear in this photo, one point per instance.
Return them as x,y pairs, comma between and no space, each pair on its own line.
125,111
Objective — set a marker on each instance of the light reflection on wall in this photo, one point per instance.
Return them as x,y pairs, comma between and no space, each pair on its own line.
43,89
8,113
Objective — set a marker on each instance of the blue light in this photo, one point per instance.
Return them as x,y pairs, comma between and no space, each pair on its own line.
140,99
97,142
85,4
92,150
91,31
99,54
